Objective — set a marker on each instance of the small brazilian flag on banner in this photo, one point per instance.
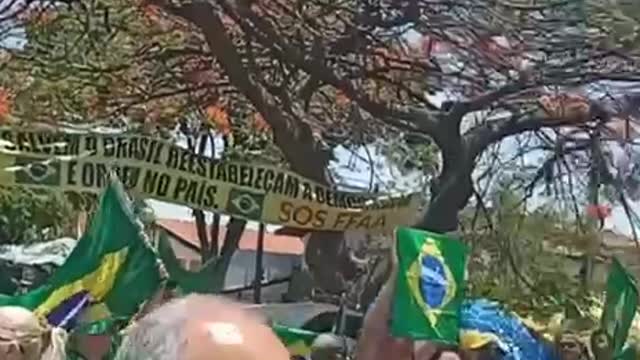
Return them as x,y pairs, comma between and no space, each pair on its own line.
297,341
245,203
429,286
620,306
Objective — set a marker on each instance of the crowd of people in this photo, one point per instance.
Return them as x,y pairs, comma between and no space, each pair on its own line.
208,327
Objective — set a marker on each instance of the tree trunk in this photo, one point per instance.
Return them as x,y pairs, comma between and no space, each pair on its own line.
326,253
201,230
449,196
210,279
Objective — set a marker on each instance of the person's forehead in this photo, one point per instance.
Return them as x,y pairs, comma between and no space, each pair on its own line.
236,339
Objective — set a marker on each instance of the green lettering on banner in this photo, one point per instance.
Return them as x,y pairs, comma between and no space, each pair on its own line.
166,171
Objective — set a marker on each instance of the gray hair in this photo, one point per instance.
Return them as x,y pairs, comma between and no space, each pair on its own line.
159,335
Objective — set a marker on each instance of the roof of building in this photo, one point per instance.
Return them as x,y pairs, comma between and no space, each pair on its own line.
273,243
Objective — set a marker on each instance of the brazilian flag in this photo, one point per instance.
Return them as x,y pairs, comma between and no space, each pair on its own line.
297,341
109,273
429,286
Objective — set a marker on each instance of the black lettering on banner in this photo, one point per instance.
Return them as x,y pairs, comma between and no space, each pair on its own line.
194,192
21,140
129,175
121,148
232,174
359,221
319,192
102,175
220,173
149,152
39,143
35,146
149,182
163,185
73,145
8,136
71,173
158,152
307,193
201,165
93,175
185,163
269,175
292,186
58,145
258,182
181,186
172,158
246,173
329,198
155,183
302,215
133,149
278,184
143,150
108,146
210,197
91,144
87,175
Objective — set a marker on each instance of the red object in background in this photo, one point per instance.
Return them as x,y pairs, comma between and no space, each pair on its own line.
219,118
5,103
599,211
259,123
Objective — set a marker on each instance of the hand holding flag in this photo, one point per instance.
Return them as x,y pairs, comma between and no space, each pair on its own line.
429,286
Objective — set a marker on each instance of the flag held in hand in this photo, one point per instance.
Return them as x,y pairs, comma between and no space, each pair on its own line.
430,286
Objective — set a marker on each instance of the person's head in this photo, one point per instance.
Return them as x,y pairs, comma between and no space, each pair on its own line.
23,336
201,327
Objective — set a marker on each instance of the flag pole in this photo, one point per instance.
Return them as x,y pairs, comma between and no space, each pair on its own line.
257,282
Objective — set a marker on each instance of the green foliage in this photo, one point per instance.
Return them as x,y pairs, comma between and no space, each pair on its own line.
31,216
79,64
615,23
523,258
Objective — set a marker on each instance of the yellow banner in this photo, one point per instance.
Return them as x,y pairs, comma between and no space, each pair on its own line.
164,171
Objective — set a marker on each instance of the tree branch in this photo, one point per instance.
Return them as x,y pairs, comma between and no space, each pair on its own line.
417,120
294,138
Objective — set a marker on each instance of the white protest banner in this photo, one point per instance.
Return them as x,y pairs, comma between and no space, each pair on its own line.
164,171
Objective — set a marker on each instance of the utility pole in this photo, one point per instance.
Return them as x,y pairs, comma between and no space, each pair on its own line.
259,271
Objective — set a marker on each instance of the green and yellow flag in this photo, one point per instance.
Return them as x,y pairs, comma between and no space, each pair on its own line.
620,307
430,286
297,341
109,274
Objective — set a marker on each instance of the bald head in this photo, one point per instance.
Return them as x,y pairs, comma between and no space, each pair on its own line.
201,327
23,336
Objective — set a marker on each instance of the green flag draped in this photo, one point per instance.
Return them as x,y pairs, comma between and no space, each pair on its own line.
620,306
110,272
430,286
629,353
